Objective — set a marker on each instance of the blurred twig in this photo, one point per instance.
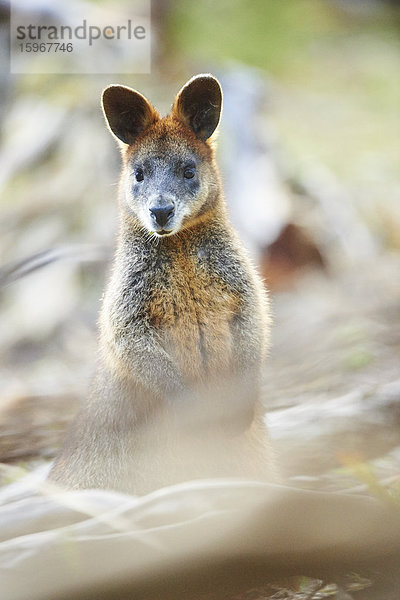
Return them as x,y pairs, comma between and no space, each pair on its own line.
77,253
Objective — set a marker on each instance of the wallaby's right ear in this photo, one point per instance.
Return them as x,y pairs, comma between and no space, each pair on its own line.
127,112
198,105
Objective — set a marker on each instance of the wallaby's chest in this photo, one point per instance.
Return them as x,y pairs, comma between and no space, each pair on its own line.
192,307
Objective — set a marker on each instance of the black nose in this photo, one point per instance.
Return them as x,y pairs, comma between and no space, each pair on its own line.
162,214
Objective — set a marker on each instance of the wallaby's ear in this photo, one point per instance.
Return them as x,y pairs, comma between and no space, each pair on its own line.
198,105
128,113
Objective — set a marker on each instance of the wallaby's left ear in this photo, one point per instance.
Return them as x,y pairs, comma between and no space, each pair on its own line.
127,112
198,105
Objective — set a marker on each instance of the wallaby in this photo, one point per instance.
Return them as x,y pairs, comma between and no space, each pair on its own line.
184,320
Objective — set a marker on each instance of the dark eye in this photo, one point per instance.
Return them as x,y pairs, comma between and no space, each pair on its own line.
188,173
139,175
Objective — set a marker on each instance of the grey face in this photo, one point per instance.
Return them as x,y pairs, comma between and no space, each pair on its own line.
164,188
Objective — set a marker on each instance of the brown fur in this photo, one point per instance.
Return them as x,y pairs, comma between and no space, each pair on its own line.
184,321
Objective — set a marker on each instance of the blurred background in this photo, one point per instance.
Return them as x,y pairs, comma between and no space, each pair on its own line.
309,150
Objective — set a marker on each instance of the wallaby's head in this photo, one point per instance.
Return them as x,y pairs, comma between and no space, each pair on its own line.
169,177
